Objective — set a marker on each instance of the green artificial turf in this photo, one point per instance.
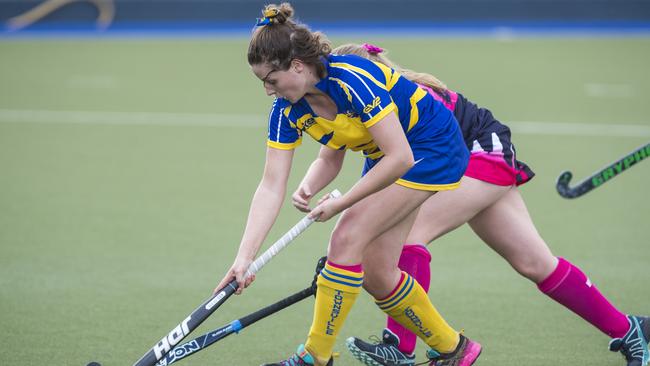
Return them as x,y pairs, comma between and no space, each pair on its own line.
114,227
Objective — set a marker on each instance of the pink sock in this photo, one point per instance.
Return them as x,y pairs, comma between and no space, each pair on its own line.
571,288
415,261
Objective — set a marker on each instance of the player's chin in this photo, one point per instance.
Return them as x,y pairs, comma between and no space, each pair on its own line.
292,98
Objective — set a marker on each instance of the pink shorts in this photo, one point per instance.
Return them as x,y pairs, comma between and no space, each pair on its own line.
492,155
492,168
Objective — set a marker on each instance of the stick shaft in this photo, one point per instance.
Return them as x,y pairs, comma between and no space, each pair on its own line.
277,247
283,241
158,351
176,335
601,176
200,343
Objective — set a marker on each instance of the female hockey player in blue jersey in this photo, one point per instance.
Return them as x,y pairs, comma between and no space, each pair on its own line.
412,147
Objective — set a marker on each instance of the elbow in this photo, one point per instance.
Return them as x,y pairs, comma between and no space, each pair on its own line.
410,160
406,162
336,166
401,161
334,160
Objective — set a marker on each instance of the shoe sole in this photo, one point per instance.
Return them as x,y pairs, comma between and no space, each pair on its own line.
471,355
360,355
474,350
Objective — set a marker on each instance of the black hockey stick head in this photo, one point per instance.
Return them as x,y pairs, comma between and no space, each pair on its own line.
562,185
578,190
319,267
602,176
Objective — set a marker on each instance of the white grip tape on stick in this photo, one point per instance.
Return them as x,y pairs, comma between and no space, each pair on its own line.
283,241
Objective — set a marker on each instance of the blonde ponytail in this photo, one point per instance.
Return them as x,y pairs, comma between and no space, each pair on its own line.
377,54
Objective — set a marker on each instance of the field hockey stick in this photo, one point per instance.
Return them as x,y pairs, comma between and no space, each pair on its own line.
158,351
200,343
601,176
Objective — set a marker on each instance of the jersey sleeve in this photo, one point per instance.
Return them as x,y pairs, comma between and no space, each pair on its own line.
282,134
367,94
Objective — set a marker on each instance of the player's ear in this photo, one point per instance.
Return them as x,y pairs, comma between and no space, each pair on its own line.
297,65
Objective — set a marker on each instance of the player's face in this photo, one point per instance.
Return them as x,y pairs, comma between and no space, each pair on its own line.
288,84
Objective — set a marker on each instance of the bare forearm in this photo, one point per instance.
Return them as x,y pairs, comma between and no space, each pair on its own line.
264,209
383,174
321,173
263,212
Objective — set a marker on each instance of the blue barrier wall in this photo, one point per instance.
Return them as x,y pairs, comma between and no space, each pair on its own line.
164,12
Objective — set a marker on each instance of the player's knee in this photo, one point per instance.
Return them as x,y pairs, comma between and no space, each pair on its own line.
340,237
343,242
530,266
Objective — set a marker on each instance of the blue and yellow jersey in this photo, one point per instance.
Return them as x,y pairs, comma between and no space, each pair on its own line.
364,92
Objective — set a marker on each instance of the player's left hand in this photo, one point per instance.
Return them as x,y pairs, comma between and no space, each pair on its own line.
326,208
301,197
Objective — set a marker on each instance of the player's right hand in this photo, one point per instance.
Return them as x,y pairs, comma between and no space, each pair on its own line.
301,198
237,271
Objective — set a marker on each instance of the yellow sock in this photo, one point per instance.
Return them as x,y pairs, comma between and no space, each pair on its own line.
338,288
410,306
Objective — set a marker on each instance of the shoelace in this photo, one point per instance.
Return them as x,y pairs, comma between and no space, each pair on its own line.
632,345
376,340
635,342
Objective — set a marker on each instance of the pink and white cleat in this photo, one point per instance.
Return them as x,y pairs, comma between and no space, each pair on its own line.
465,354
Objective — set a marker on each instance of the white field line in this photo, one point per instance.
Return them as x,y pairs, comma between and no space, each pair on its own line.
131,118
609,90
579,129
259,120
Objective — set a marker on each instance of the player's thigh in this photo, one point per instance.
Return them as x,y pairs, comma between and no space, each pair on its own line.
508,229
370,218
447,210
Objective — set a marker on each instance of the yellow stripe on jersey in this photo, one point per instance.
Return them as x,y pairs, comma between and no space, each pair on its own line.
350,132
427,187
375,155
283,146
388,72
287,110
344,87
391,75
379,116
415,98
393,81
359,71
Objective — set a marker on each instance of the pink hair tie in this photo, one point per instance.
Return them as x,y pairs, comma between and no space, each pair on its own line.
372,49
